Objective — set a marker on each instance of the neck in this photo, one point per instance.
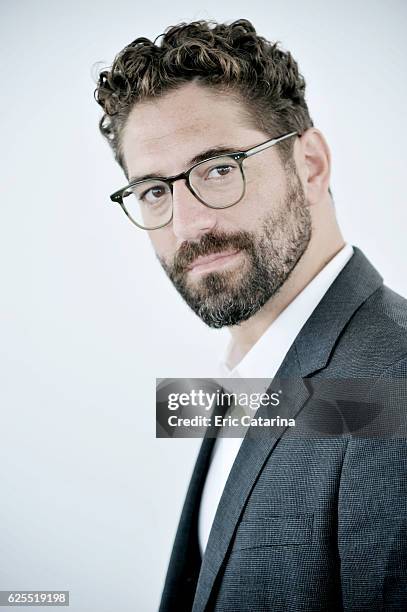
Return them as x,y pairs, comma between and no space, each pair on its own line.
318,253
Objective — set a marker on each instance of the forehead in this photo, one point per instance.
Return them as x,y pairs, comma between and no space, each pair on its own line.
171,129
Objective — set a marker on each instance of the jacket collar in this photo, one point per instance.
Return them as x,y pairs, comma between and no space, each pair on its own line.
317,339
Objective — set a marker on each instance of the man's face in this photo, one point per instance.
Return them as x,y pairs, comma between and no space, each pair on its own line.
226,263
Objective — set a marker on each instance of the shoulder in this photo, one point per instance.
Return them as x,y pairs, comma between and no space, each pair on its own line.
384,316
388,307
375,338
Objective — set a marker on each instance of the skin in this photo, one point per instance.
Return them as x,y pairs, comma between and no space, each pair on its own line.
163,135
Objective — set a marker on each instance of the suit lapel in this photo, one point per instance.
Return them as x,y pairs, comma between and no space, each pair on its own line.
310,352
252,455
185,561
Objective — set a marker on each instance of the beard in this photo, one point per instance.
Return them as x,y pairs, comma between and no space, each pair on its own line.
228,297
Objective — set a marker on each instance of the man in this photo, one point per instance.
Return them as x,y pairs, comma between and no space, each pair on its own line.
229,176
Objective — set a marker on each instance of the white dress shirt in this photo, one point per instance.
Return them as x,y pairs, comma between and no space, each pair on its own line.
263,361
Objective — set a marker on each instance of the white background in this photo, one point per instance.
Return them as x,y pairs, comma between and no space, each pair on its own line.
89,498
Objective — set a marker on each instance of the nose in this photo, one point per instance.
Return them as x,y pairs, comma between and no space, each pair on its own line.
191,219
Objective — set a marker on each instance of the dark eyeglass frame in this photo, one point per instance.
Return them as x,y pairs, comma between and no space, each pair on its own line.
238,156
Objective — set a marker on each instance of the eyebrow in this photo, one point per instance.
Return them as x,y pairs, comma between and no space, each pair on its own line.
212,152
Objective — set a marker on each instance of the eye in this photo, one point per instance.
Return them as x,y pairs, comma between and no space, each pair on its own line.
153,195
219,172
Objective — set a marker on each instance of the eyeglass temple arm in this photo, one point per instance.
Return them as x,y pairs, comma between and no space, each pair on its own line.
269,143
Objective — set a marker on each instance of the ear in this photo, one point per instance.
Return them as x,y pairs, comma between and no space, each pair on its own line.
315,165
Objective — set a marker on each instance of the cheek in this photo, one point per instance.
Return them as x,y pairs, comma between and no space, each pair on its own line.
264,194
163,242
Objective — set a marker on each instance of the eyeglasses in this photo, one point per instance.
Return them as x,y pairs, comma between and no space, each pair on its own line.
216,182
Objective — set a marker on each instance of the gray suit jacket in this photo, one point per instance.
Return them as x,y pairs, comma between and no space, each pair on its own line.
317,520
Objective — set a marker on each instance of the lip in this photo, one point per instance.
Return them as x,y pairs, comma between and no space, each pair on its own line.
213,261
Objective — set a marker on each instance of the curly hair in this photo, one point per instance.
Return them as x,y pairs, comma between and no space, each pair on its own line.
230,59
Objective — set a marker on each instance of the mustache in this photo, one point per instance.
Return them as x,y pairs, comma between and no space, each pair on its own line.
209,244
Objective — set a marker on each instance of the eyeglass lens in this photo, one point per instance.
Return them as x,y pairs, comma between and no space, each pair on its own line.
218,182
